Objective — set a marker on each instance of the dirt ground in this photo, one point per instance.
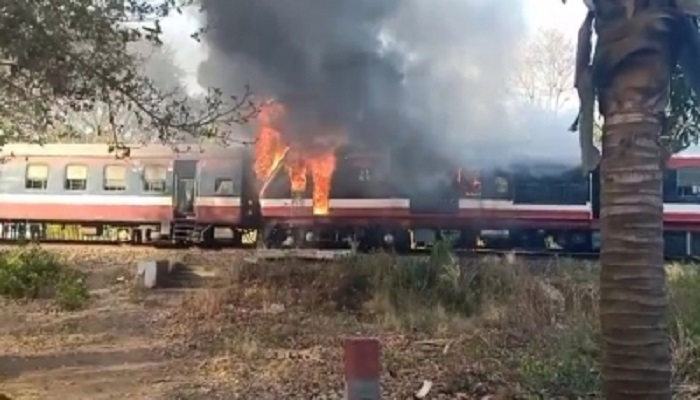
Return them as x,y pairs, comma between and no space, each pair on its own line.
204,342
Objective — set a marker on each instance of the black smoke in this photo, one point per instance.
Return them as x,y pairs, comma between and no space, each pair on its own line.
426,78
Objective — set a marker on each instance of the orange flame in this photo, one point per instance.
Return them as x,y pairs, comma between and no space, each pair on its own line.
270,149
271,154
296,168
322,167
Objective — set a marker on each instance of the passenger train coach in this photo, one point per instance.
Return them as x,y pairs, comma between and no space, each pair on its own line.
209,195
92,192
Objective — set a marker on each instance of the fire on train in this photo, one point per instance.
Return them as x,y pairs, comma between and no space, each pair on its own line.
210,196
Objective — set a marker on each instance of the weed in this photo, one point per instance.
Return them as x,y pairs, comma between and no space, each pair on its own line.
71,291
32,273
28,273
541,318
562,364
684,297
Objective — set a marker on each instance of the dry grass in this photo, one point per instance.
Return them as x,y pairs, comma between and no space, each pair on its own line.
530,328
273,330
473,328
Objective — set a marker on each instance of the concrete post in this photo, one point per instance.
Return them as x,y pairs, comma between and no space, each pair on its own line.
362,369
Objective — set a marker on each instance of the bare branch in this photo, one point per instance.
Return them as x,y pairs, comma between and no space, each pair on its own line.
547,70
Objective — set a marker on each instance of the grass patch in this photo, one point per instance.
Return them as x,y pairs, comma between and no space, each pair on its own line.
535,324
30,272
540,321
684,298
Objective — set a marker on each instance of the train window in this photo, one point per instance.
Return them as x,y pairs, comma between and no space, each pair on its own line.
37,176
469,183
224,186
154,178
114,178
365,175
76,177
501,185
688,182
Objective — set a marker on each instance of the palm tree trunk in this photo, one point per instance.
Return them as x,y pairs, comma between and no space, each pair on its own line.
633,298
632,71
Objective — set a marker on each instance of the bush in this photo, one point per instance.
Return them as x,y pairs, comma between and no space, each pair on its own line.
562,364
541,319
436,281
71,291
32,273
545,319
684,298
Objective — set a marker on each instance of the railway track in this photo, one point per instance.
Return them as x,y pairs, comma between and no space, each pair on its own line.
321,253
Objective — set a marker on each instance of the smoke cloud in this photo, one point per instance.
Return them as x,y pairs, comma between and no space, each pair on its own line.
427,78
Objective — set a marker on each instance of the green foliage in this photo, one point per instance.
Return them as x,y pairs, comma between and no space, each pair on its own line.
562,365
32,273
71,291
681,129
28,273
434,282
62,56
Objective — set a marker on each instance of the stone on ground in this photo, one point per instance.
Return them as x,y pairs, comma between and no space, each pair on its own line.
153,273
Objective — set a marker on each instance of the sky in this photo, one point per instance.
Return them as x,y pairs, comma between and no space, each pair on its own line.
539,14
542,14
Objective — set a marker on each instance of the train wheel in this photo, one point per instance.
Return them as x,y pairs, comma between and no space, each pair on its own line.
236,238
261,239
137,237
579,242
467,239
402,241
370,239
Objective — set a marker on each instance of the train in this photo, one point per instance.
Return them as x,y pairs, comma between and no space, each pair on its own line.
209,195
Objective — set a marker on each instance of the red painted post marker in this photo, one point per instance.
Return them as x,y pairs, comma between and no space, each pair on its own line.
362,369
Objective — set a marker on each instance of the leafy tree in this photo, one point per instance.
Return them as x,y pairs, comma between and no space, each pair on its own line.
641,48
62,56
682,128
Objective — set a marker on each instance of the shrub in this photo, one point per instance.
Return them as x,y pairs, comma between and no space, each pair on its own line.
546,317
540,319
29,272
71,291
684,297
437,285
562,364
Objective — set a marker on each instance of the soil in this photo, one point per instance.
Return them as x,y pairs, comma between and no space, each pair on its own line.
205,341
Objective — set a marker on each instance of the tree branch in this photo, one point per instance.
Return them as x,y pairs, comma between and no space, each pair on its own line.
590,156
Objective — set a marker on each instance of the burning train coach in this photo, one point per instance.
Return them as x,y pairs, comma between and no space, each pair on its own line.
278,195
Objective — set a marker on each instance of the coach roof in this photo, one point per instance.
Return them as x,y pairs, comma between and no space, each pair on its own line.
105,150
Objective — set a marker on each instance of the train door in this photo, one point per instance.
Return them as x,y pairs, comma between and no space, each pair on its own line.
251,214
185,185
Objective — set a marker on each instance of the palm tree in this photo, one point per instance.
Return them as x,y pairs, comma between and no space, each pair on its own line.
640,42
